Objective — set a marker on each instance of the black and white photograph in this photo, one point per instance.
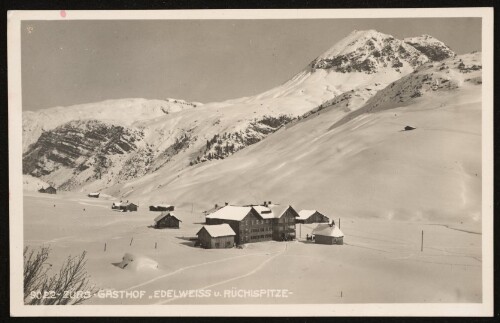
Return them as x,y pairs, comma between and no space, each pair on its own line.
293,162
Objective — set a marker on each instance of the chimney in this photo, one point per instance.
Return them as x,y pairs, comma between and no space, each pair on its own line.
215,206
269,203
265,203
227,204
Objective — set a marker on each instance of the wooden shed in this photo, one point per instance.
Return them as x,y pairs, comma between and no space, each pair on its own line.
94,195
311,216
166,220
217,236
328,234
48,190
131,207
161,207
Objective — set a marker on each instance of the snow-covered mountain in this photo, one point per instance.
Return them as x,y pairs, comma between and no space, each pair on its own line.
301,130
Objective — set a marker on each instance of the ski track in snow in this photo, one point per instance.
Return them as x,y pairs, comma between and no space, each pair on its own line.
190,267
251,272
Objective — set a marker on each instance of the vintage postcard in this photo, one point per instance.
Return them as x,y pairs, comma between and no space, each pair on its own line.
251,162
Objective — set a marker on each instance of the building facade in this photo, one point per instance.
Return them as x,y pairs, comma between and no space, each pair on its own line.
257,223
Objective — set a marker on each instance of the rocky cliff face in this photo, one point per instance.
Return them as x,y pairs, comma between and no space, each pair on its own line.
431,47
79,145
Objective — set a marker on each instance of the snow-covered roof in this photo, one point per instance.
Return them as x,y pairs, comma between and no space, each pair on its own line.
94,193
264,211
218,230
230,212
279,209
327,230
271,211
162,205
305,214
162,215
118,203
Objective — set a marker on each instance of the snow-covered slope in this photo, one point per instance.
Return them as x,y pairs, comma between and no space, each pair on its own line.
365,165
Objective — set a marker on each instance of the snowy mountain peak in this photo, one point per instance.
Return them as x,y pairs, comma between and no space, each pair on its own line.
370,51
435,49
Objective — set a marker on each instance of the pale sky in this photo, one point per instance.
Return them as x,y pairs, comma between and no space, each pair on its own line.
73,62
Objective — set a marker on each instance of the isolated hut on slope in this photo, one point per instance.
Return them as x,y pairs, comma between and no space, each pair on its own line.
94,195
311,216
48,190
131,207
166,220
328,234
161,207
216,236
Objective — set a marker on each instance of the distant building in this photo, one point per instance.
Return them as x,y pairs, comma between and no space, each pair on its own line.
166,220
216,236
95,195
124,207
312,216
328,234
132,207
161,207
253,223
48,190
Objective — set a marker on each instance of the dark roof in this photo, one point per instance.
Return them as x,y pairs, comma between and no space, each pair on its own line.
163,215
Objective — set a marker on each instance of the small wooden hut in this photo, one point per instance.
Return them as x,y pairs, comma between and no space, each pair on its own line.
217,236
161,207
94,195
131,207
49,190
166,220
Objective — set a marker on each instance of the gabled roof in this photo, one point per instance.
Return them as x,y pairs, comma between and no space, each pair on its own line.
280,209
219,230
306,214
163,215
327,230
118,203
93,193
231,212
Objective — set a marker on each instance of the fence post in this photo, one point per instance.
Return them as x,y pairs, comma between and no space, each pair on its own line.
422,242
104,246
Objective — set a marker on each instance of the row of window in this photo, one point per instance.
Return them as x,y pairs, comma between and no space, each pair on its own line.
262,236
260,229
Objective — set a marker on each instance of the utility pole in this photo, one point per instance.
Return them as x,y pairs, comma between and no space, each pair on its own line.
422,242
